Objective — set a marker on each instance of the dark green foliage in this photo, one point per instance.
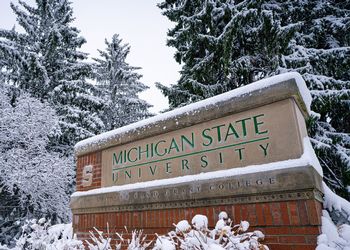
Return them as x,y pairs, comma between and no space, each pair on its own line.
120,85
217,53
225,44
45,61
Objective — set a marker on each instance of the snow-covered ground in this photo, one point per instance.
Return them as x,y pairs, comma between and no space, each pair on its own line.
335,234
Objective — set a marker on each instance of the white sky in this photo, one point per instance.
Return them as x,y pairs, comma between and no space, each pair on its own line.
138,22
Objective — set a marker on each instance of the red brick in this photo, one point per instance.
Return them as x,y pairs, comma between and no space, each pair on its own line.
304,247
244,212
302,212
146,218
284,213
293,213
135,219
204,211
313,212
187,212
167,218
267,214
311,239
161,218
171,217
181,214
197,210
123,219
292,239
177,216
85,221
118,220
216,213
252,218
112,220
232,214
271,239
158,218
211,219
93,220
259,214
153,218
276,230
305,230
280,246
238,218
276,213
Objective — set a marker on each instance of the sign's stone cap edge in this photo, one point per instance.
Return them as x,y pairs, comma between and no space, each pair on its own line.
259,93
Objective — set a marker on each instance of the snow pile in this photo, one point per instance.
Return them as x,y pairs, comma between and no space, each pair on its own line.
101,139
333,237
335,223
336,204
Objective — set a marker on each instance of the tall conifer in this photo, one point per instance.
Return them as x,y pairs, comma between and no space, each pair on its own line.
120,85
225,44
45,61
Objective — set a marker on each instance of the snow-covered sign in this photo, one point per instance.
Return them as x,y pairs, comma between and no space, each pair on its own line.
257,124
246,150
249,141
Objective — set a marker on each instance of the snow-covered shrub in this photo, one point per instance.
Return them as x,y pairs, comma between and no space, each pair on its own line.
200,222
34,180
102,241
183,226
223,236
186,236
39,235
99,242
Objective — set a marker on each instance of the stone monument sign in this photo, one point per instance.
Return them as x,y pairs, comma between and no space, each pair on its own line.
245,151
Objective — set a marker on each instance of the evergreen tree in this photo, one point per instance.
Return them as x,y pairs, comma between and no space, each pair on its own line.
320,51
225,44
216,53
120,85
46,62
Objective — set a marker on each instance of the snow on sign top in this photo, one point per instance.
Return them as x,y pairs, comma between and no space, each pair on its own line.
269,90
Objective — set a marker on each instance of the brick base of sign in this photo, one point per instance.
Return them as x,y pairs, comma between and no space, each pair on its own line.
286,225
